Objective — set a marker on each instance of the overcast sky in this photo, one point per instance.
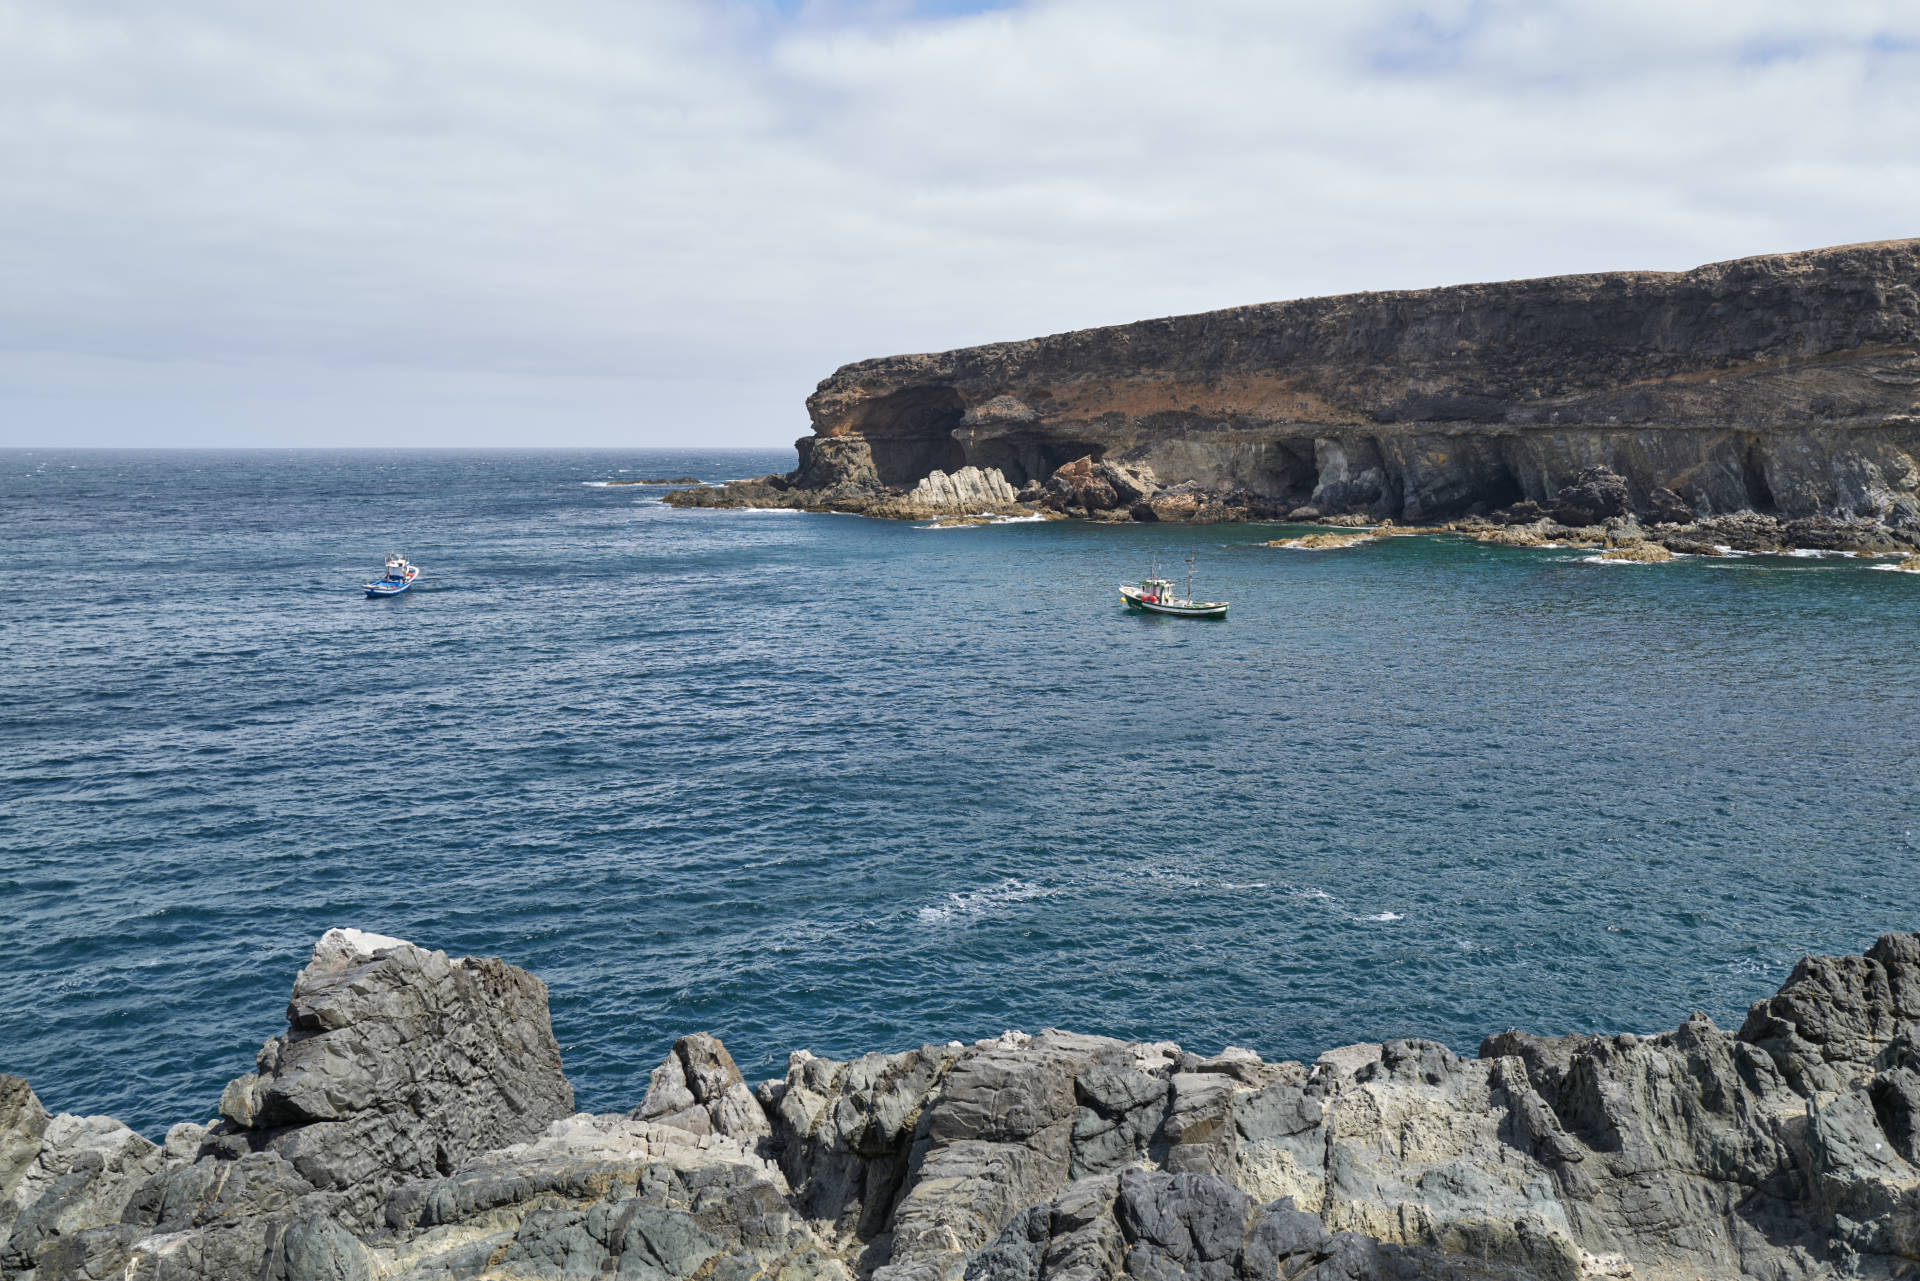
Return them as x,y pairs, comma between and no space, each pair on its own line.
661,222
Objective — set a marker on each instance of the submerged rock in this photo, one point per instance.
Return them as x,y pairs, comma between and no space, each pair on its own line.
1637,549
412,1125
1322,542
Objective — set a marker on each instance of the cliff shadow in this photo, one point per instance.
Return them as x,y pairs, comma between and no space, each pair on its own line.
911,433
1023,458
1284,472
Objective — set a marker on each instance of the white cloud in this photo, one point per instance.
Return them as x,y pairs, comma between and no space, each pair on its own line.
662,222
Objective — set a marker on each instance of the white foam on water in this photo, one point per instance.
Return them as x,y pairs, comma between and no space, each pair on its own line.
979,520
1811,553
764,511
1383,916
1201,883
974,904
1598,559
1894,569
597,484
1299,545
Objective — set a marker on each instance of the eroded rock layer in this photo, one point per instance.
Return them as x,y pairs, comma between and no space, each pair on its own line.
413,1123
1787,385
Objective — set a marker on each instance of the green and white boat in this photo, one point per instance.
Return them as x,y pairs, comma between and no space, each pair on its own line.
1155,595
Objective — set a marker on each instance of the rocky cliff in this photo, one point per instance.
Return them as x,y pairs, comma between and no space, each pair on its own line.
1787,385
413,1122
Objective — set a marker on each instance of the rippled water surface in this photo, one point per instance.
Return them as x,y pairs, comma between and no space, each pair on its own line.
824,782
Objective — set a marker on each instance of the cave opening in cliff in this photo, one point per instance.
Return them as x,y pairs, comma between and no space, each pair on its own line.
1753,476
1284,472
911,433
1499,488
1022,459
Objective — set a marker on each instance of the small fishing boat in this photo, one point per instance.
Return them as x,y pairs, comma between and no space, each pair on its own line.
1155,595
399,576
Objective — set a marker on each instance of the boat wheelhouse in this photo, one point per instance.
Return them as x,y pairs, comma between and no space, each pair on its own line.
399,576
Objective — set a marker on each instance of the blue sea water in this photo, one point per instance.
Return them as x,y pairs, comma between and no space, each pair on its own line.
824,782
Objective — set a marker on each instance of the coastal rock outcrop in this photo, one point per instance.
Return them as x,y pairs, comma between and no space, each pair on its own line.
1786,385
1597,495
397,1064
412,1125
970,489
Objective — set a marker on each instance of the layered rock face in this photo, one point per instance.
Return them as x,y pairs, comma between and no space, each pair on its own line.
429,1137
397,1064
1787,385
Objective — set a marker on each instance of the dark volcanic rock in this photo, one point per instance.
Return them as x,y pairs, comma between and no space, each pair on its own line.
411,1126
1095,486
398,1063
1078,484
1787,384
1596,495
1666,507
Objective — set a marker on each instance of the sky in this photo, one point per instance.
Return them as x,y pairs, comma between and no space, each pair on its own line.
661,222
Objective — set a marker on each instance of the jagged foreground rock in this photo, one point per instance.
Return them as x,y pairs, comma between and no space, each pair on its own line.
413,1123
1786,385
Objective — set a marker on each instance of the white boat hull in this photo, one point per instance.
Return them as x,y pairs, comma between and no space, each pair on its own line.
1173,608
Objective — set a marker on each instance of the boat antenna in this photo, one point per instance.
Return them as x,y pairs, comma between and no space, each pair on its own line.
1189,578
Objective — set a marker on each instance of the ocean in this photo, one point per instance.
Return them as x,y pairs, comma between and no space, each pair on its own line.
821,782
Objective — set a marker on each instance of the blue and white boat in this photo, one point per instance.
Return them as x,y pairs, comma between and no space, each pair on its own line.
399,576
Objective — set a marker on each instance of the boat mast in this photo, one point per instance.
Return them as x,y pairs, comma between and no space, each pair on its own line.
1189,578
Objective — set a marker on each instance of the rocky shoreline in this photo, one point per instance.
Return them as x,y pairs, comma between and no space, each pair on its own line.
1782,389
1594,510
414,1121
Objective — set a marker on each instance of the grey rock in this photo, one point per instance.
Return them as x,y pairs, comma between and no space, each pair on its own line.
607,1196
85,1171
319,1249
1596,495
846,1133
968,489
1784,1151
1837,1016
22,1123
400,1063
699,1089
836,463
1120,1110
1183,1225
184,1141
